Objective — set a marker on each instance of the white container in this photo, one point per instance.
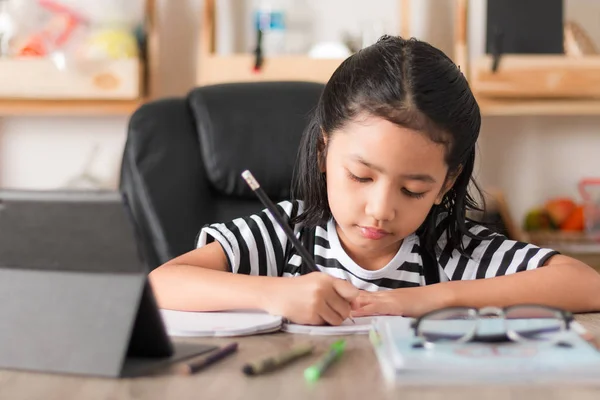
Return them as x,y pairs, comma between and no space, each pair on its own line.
270,18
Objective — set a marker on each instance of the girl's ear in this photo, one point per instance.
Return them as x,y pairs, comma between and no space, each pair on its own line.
448,185
322,152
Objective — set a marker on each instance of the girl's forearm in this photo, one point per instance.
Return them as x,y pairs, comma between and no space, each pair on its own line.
191,288
573,286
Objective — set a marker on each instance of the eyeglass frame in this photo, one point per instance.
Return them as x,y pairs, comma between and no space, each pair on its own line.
511,335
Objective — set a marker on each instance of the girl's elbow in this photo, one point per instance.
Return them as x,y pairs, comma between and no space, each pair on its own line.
595,295
590,278
164,290
158,280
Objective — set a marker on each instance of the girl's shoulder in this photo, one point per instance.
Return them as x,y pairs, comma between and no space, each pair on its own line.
289,209
474,230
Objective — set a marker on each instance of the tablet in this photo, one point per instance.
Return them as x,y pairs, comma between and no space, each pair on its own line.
73,285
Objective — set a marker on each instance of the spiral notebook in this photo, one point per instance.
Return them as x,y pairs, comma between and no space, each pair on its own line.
243,323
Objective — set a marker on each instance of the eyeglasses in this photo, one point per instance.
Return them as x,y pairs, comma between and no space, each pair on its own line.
492,324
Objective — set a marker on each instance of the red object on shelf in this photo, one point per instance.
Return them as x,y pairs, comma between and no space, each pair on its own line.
34,47
559,209
56,33
575,222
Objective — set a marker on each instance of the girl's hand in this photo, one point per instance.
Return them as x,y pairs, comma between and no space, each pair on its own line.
312,299
407,302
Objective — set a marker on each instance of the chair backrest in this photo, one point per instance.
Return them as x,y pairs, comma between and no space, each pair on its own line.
184,156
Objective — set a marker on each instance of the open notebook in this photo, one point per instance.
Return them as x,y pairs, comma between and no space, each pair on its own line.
241,323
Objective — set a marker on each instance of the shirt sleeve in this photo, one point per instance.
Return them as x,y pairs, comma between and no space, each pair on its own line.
493,255
254,245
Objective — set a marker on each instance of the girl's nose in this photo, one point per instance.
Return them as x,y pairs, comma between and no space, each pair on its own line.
381,205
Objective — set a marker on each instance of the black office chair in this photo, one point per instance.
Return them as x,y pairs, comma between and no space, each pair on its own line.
184,156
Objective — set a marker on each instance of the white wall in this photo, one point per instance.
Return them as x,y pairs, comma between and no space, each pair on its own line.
530,158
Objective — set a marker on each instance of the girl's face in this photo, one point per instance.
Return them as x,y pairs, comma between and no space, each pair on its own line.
382,180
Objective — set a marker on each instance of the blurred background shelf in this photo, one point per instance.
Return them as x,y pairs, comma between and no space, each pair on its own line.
112,86
540,107
239,67
12,107
523,85
537,76
528,84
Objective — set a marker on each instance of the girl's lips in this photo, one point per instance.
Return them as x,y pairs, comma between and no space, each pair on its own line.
372,233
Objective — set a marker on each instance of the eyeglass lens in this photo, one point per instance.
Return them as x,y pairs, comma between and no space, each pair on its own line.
519,323
534,323
448,325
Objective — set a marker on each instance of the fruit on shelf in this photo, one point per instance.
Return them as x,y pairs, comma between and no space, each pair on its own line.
575,221
560,213
538,219
559,209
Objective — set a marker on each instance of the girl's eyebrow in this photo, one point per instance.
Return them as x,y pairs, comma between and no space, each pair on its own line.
413,177
419,177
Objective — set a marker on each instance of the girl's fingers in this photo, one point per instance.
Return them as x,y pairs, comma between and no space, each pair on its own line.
355,305
329,315
368,310
339,305
371,304
345,289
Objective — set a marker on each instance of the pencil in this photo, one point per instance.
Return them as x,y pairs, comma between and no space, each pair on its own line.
191,367
255,186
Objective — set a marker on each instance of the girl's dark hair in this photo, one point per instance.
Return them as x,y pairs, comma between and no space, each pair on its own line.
412,84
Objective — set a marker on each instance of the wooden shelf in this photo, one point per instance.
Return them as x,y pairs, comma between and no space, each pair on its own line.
67,107
537,76
214,68
535,85
540,107
239,68
97,107
562,80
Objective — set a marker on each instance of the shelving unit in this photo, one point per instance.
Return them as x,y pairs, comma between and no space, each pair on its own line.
215,68
537,107
97,107
534,85
528,84
523,85
15,108
538,76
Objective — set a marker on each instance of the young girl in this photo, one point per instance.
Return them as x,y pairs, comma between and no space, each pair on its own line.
382,192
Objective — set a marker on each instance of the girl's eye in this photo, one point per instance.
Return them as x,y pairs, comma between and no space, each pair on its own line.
413,194
358,178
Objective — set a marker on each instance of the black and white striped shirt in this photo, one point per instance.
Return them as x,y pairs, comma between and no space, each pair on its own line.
256,245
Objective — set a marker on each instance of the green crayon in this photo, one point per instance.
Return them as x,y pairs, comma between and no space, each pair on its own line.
271,363
314,372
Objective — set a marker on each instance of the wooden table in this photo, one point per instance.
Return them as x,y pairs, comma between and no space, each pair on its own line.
356,376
